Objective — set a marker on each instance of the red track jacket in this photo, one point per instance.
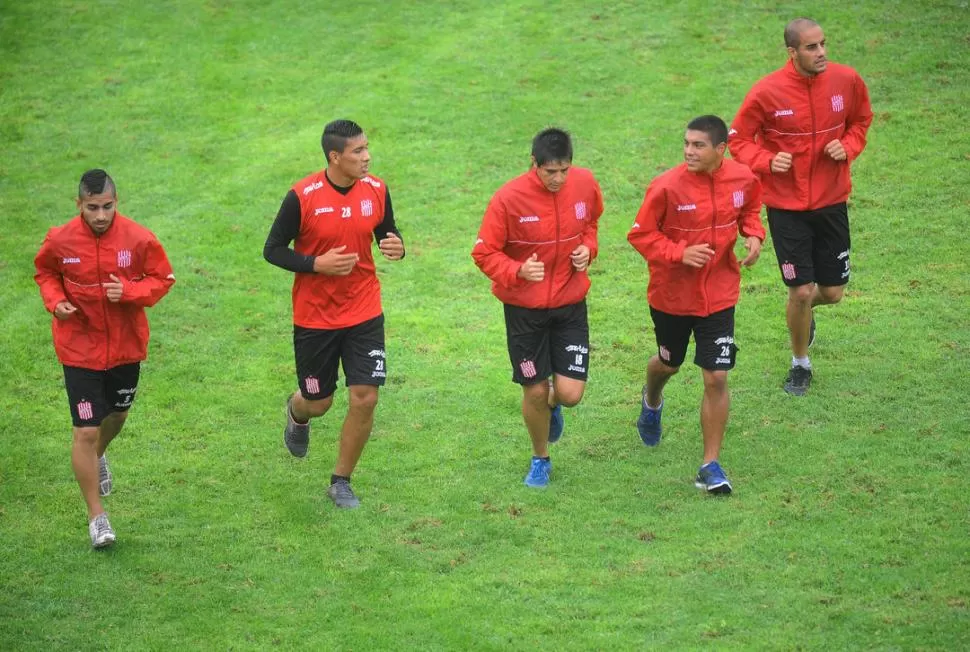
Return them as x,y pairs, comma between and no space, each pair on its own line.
329,219
683,208
524,218
788,112
72,264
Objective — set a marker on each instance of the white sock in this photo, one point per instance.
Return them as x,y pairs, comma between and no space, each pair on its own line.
804,363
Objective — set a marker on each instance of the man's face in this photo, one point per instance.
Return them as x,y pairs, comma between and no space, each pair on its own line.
552,174
700,154
354,161
809,56
98,211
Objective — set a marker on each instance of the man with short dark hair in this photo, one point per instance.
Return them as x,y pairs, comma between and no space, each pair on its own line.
686,230
97,274
333,216
537,240
799,129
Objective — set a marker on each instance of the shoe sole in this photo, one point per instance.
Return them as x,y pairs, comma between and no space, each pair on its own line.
296,449
345,505
103,544
554,438
648,440
721,489
795,391
107,482
536,486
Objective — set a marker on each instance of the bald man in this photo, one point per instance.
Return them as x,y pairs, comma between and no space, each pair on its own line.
799,129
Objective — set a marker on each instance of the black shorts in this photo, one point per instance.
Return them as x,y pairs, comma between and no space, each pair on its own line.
360,349
94,394
811,246
713,339
543,341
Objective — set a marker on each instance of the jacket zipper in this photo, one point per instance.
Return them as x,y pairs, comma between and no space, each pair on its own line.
811,158
104,301
555,257
707,274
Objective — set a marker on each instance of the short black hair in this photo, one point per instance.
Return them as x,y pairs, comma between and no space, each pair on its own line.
336,134
95,182
711,125
552,144
794,29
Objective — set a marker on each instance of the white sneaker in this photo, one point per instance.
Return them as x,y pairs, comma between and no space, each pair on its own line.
104,476
102,535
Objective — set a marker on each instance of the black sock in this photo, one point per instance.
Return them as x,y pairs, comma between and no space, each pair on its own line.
334,479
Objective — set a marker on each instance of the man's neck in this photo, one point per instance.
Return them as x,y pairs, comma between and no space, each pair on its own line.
338,180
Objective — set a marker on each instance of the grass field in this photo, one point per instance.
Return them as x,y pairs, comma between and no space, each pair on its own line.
849,525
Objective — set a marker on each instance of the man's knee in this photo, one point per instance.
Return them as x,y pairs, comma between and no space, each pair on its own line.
802,294
318,407
536,394
570,394
115,419
363,397
659,368
715,381
831,293
86,436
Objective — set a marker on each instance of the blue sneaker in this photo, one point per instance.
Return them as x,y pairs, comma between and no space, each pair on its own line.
648,425
556,424
711,477
539,473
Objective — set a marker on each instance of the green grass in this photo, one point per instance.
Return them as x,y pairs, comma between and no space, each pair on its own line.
848,528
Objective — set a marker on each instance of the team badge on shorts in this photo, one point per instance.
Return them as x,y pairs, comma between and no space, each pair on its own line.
85,410
788,271
528,368
312,385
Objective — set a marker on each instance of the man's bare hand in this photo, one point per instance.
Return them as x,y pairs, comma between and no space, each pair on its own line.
114,289
697,255
781,163
392,247
533,269
580,257
335,262
835,150
753,245
64,310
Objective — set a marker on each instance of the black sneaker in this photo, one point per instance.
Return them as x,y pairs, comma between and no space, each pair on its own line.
342,495
798,380
296,436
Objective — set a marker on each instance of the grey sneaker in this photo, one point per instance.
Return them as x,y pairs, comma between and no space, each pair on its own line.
104,476
798,380
101,533
296,436
342,495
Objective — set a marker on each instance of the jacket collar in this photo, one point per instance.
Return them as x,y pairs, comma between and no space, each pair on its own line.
536,182
793,74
